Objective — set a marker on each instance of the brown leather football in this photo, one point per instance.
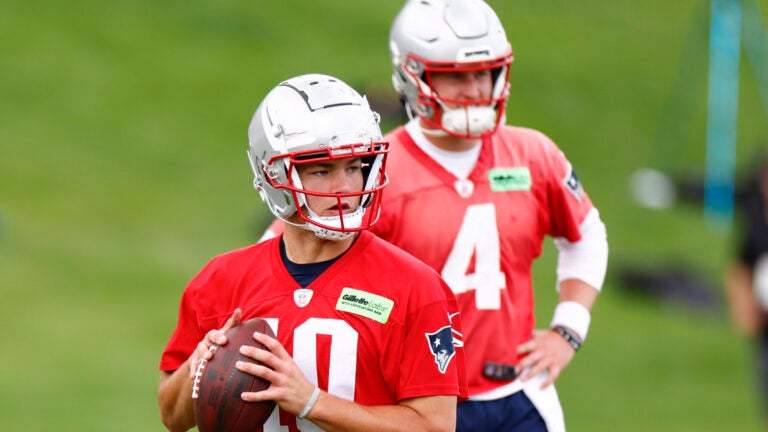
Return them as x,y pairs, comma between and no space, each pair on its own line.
218,385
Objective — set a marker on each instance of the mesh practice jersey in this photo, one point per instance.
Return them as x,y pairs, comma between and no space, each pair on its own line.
375,327
483,233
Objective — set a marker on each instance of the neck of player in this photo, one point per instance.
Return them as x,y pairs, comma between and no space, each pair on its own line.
304,247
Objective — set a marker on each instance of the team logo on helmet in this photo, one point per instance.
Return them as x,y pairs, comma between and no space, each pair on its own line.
442,347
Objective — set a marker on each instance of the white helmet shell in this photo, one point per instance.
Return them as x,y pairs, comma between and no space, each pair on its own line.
430,36
316,115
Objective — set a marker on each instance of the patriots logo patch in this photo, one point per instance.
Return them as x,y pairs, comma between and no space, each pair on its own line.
572,183
442,347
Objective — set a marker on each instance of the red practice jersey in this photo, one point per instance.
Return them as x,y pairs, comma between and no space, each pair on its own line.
375,327
483,234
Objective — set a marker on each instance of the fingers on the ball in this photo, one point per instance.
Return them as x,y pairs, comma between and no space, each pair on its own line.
249,397
233,320
203,351
215,337
272,344
202,346
255,396
255,369
258,354
208,354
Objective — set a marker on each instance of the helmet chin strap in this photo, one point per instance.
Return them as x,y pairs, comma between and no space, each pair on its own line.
327,234
434,132
351,220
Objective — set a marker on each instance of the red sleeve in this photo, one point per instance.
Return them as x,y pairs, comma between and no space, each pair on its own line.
185,337
431,359
568,202
192,312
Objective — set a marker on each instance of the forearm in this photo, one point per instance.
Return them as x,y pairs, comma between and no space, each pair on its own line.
575,305
175,399
433,413
578,291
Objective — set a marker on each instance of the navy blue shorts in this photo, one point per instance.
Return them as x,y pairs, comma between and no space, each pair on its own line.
512,413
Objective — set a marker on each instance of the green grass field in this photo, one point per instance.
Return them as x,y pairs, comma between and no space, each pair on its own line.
123,170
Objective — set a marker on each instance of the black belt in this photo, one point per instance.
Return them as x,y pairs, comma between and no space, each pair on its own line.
499,371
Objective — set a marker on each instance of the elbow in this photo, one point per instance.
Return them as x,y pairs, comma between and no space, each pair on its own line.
171,422
167,422
166,415
173,414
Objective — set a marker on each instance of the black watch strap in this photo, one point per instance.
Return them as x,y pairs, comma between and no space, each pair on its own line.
569,336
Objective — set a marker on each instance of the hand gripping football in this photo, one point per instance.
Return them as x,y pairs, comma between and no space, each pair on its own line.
218,384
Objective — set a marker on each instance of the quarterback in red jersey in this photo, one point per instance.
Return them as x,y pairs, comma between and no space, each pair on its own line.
475,199
367,336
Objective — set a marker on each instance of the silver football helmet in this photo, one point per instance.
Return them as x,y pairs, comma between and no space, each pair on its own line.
431,36
309,119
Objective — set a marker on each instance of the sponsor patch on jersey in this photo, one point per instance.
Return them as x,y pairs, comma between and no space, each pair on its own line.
510,179
365,304
442,347
572,183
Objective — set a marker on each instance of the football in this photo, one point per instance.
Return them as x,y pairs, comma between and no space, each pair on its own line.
218,384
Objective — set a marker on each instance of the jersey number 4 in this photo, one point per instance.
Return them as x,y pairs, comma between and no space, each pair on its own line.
478,237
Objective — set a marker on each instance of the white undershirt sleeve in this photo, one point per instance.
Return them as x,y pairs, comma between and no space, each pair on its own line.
586,259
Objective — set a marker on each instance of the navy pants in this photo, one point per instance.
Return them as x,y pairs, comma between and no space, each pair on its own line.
512,413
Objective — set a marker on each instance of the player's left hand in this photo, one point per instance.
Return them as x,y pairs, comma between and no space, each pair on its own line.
546,350
289,388
206,347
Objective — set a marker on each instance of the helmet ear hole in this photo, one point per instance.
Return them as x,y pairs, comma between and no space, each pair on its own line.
500,79
495,73
367,164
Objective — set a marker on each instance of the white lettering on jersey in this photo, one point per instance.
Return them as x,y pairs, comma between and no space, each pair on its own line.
478,236
342,367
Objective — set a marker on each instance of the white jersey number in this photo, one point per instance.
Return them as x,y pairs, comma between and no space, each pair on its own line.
342,366
478,237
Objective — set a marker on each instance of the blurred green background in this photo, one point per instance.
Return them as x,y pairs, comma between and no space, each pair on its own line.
123,170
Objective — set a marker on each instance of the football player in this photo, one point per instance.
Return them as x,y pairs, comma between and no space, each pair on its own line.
365,333
475,199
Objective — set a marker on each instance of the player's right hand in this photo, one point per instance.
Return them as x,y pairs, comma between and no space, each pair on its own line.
212,339
288,385
546,350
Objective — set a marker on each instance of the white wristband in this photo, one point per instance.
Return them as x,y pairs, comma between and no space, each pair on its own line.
573,315
311,403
